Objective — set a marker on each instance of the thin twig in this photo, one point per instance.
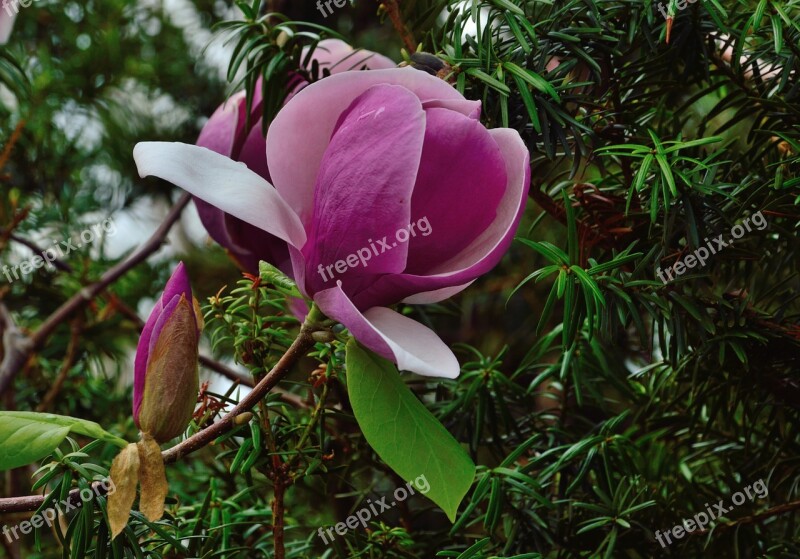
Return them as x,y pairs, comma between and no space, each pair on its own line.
752,519
12,141
18,354
69,361
36,249
392,8
297,350
302,343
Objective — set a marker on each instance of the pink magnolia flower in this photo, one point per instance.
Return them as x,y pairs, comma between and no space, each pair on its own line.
7,16
165,370
227,132
355,159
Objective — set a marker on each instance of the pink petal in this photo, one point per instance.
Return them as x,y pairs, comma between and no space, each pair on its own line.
337,56
7,22
177,285
140,361
461,180
466,107
226,184
408,343
428,297
364,189
484,252
299,135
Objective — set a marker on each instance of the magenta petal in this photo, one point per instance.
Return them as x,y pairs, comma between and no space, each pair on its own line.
466,107
302,129
364,188
177,285
484,252
461,180
254,151
408,343
140,362
219,133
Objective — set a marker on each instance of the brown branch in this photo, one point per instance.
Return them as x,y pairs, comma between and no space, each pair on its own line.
392,8
302,343
69,361
12,141
752,519
15,346
64,267
18,354
298,349
278,510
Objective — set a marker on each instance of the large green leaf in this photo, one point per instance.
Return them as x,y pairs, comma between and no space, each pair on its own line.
403,432
25,437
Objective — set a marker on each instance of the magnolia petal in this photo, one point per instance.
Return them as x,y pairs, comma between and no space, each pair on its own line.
483,253
219,133
152,479
302,129
222,182
408,343
225,133
364,189
338,56
124,475
177,284
7,22
460,182
172,382
428,297
140,362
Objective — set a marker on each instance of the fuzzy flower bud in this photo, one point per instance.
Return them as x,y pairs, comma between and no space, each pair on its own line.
165,372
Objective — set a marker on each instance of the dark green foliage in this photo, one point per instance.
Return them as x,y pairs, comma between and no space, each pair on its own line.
599,403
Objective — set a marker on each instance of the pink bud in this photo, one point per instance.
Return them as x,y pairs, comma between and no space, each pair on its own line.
165,371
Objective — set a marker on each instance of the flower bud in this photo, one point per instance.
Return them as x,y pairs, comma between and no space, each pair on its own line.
165,372
430,63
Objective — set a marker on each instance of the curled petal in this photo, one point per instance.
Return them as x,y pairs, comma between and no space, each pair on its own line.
177,285
303,128
428,297
485,251
222,182
364,188
408,343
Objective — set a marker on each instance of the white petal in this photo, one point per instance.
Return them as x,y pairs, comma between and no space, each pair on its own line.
413,346
222,182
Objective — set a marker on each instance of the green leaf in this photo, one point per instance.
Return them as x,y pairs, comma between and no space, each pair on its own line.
403,432
534,79
25,437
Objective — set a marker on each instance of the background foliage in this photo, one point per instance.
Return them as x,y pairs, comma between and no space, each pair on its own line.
600,404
